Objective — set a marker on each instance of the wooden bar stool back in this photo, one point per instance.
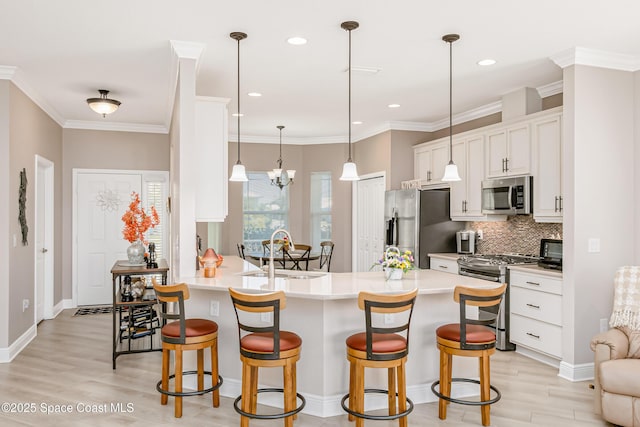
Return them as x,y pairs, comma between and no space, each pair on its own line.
382,345
180,334
469,338
262,347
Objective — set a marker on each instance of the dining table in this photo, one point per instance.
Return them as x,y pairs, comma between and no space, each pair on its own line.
278,257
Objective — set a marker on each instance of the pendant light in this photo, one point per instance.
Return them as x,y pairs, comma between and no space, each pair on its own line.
276,176
451,171
349,170
238,173
103,105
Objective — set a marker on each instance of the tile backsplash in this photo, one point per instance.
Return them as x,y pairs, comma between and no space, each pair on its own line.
519,234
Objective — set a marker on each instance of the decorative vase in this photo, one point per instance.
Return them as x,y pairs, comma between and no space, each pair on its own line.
135,252
393,273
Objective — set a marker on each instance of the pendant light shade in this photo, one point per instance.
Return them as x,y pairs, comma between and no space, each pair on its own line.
451,170
349,170
103,105
238,172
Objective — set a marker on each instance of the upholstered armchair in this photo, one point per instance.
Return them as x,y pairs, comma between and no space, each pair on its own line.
617,355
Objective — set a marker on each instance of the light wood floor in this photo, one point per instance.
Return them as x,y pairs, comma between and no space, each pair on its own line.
70,363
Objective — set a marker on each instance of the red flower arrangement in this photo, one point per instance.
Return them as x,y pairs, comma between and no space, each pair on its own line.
136,220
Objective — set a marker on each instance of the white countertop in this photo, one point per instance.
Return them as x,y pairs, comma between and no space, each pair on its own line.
450,256
533,268
329,285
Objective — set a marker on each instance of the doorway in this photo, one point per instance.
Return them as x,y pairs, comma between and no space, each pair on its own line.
44,238
368,220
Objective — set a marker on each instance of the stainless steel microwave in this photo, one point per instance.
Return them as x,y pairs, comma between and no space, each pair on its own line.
507,196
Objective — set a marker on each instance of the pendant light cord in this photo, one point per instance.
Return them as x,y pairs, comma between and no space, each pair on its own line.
238,162
450,101
349,159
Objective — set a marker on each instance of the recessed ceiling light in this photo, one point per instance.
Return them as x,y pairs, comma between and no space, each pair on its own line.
487,62
297,41
357,122
237,115
254,94
393,105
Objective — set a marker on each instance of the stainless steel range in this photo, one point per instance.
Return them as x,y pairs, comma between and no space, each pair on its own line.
494,268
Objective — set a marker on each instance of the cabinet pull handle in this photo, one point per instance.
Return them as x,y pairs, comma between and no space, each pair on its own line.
533,283
555,204
503,159
533,335
506,165
428,175
533,306
443,266
561,203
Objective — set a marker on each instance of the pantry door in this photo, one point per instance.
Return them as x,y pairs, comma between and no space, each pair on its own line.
101,199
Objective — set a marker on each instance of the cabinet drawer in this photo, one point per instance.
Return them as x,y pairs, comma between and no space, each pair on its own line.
446,265
536,335
536,282
536,305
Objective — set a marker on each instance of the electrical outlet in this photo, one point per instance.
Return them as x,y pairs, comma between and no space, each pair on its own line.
25,305
604,325
388,318
479,234
214,308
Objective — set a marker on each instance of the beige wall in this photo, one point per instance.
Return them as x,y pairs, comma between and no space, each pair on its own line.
89,149
5,212
31,132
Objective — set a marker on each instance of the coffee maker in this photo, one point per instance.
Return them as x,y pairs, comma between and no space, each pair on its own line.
466,241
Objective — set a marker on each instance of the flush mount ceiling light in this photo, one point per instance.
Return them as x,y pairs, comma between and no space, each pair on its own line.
349,170
279,178
393,105
356,122
238,173
485,62
451,170
256,94
103,105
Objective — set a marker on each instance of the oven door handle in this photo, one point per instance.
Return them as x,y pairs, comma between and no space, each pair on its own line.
480,276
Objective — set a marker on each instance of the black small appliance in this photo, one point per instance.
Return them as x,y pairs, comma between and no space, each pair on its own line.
551,254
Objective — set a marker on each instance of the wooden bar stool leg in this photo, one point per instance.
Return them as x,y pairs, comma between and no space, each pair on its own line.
391,384
166,356
359,392
449,374
402,393
444,381
178,383
246,393
485,390
253,397
214,373
200,354
352,388
295,388
288,389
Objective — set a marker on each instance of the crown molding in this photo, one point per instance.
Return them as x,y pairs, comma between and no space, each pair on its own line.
596,58
187,50
115,126
256,139
411,126
550,89
466,116
16,76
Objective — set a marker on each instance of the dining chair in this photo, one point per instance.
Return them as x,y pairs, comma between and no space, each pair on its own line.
240,247
326,251
301,254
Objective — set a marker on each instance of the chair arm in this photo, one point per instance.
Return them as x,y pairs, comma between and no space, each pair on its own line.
609,345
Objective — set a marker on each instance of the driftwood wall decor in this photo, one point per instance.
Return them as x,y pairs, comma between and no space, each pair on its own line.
22,202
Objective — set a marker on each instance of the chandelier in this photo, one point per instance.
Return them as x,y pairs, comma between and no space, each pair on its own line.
103,105
278,177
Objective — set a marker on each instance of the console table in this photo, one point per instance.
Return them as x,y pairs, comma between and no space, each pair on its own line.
144,304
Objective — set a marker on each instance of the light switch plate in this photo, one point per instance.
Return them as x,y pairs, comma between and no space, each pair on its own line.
214,309
593,245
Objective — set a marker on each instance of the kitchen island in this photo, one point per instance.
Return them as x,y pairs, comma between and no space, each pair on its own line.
322,308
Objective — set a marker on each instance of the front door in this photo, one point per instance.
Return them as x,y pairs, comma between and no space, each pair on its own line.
369,222
102,198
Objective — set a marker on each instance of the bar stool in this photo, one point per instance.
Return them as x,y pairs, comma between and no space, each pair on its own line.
263,347
469,338
380,347
185,334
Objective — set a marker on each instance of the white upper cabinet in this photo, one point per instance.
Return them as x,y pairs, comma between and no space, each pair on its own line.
547,169
509,151
211,136
466,203
429,163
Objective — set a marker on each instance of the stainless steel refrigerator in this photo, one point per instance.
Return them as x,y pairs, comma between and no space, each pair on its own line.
419,221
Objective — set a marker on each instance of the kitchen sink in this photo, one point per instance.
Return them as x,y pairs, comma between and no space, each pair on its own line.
284,274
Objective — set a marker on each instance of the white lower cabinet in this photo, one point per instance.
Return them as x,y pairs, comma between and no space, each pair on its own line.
536,312
443,264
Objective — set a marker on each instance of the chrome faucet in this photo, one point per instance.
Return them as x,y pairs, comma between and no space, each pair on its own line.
272,271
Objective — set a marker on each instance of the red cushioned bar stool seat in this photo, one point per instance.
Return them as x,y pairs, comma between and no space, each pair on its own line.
264,347
469,338
185,334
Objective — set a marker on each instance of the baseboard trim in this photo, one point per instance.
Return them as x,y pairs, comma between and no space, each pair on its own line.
62,305
329,406
7,354
581,372
540,357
